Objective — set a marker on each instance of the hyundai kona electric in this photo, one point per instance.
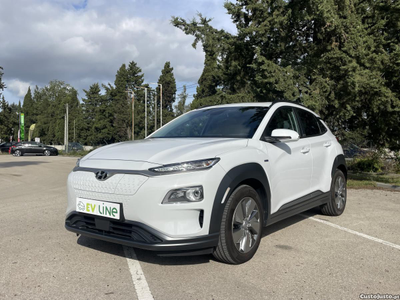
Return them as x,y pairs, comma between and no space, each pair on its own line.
209,181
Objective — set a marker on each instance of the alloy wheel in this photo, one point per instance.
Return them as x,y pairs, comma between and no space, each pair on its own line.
340,192
246,225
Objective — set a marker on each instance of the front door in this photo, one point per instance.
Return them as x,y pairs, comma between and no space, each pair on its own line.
290,163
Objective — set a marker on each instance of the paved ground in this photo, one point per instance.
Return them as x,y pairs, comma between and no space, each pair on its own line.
299,258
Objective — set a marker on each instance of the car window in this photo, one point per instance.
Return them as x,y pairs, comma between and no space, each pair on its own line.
33,144
283,118
309,123
227,122
322,127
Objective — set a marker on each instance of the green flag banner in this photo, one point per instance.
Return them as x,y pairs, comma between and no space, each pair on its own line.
22,127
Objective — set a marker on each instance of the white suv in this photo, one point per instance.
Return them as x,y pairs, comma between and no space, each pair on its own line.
209,181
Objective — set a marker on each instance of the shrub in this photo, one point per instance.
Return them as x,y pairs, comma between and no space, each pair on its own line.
369,162
397,163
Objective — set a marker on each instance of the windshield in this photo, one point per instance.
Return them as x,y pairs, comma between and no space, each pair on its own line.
226,122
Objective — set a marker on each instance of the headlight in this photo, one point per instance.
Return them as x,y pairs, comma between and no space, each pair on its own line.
186,166
189,194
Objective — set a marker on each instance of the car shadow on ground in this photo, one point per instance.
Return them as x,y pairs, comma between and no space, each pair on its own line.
152,257
12,164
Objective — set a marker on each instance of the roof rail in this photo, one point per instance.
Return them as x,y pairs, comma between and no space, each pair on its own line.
297,101
204,106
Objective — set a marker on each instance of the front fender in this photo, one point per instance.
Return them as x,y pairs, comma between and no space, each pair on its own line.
246,173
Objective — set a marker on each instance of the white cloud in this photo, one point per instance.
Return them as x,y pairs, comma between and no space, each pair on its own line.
82,42
18,87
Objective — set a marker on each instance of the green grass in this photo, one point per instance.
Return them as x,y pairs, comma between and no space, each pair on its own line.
354,184
385,178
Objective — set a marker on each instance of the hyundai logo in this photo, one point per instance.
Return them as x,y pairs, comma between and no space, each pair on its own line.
102,175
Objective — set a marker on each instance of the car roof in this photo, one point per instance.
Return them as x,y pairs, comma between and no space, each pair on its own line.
245,104
259,104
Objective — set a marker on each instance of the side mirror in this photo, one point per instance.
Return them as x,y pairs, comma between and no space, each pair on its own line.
285,135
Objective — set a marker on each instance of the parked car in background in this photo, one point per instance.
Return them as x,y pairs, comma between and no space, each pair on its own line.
74,146
32,148
5,147
351,151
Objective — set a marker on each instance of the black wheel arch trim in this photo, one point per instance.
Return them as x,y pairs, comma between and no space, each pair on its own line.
339,163
232,179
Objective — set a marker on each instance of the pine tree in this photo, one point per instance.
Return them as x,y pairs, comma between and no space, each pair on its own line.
6,123
97,126
167,80
2,84
120,104
28,109
51,105
181,107
340,58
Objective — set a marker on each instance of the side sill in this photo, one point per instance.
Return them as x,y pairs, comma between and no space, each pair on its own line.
299,205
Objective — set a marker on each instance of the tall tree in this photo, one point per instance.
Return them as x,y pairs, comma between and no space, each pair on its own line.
6,124
167,79
181,107
28,108
340,58
52,107
98,118
120,104
2,84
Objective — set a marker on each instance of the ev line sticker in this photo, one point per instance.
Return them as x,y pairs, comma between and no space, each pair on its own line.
98,208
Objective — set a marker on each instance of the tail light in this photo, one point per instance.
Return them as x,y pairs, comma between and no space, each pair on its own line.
9,150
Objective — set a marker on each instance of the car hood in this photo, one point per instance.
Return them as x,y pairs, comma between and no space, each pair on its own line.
159,151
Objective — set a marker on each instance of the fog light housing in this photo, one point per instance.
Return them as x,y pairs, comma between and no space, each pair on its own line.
184,195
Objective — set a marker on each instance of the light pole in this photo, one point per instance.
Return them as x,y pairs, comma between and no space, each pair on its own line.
155,109
19,126
130,92
145,108
66,128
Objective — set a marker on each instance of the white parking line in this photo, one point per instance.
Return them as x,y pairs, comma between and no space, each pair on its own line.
138,278
354,232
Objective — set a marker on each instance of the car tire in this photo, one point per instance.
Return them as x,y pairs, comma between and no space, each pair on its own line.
338,195
241,226
18,153
47,152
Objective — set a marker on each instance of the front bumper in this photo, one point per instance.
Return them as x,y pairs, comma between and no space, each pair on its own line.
138,235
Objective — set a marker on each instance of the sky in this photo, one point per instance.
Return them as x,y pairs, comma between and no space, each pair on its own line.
83,42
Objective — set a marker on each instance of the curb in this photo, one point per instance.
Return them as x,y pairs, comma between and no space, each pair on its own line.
388,186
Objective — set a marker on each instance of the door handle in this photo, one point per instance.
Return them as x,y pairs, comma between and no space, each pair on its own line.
327,144
305,150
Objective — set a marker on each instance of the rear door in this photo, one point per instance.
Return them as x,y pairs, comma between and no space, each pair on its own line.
25,147
37,148
322,150
290,163
30,147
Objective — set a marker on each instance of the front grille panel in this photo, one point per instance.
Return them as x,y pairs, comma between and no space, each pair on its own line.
117,229
120,184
